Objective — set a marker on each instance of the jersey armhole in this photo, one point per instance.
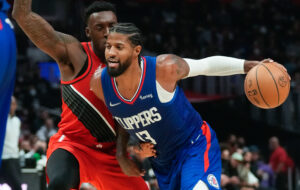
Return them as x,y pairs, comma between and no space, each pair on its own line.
163,95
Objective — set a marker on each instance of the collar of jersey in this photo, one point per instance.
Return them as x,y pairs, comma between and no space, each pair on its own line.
137,93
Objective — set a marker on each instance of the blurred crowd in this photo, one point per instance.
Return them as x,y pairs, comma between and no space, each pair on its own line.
247,168
251,29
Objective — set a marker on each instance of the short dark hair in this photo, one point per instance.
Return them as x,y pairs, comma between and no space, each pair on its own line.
134,33
99,6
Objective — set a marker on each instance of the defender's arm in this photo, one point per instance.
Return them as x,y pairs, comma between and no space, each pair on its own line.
41,33
128,166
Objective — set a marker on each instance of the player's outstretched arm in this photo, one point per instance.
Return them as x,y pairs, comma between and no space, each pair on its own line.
171,68
41,33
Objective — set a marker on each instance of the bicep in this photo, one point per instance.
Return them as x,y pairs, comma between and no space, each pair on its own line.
174,66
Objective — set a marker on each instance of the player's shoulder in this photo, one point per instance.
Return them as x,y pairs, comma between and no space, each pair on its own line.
166,62
95,83
96,78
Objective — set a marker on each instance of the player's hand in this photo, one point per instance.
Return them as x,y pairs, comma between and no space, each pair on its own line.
248,65
130,168
145,150
281,67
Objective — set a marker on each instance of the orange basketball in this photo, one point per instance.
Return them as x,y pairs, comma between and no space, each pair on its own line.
267,85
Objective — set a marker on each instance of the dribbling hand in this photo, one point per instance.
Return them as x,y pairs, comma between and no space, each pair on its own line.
145,150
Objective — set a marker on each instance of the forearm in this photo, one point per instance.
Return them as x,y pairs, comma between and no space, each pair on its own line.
39,31
216,66
22,8
122,141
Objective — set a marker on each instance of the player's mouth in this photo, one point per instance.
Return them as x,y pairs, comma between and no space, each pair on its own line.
113,63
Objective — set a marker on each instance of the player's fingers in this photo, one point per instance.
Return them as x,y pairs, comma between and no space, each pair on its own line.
283,69
267,60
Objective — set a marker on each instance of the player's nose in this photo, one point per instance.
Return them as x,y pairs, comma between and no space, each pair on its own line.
106,32
112,52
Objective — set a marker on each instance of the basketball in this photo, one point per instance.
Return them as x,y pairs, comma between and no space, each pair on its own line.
267,85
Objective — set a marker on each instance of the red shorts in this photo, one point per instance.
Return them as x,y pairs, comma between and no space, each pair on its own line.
98,167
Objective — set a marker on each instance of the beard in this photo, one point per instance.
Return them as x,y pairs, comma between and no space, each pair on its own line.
115,72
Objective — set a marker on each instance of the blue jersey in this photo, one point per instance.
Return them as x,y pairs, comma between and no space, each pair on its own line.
4,6
173,126
7,71
167,125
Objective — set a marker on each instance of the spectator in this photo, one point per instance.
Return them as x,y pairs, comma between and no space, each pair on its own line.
232,143
249,180
47,130
279,162
10,170
230,179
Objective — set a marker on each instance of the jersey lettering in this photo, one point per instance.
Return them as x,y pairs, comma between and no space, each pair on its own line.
141,119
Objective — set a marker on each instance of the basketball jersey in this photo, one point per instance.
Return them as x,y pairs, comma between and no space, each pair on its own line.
85,118
168,125
4,6
8,56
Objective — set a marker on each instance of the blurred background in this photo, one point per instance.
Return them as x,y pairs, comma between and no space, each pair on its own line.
248,29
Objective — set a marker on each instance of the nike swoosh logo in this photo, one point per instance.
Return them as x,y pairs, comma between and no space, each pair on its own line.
113,105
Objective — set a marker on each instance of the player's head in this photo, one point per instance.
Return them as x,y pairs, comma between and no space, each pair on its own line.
99,17
123,46
273,143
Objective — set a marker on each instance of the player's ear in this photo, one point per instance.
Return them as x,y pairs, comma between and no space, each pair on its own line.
88,32
137,50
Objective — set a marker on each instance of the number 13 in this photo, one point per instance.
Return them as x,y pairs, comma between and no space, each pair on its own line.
144,135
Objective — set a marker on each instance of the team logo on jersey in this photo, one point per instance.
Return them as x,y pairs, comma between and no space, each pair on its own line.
113,105
212,180
146,96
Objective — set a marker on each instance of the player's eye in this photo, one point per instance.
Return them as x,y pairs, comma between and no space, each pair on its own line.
99,27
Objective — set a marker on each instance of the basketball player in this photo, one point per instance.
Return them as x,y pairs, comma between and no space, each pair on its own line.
83,151
8,67
142,95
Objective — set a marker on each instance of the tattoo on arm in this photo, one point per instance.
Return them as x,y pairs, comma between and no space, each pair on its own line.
181,67
40,32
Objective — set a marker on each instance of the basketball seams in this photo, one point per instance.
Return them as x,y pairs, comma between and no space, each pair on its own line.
259,88
274,81
283,72
286,75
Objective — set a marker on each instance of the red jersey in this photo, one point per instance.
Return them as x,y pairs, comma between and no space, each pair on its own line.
87,131
85,119
279,155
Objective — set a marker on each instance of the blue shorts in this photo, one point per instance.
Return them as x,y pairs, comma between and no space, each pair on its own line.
7,71
201,160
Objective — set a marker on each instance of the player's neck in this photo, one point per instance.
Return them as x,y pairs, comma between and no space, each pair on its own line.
129,81
98,53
